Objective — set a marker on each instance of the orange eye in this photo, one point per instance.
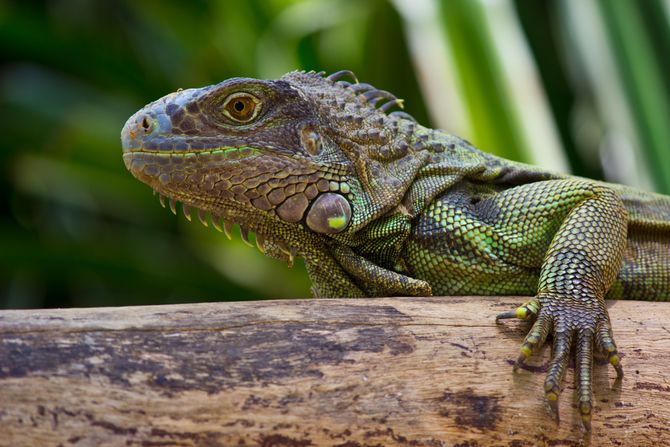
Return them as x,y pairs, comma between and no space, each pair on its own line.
241,107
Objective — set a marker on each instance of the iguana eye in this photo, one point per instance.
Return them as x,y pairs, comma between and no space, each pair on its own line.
241,107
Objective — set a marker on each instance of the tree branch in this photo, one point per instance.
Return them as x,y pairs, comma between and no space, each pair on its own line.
347,373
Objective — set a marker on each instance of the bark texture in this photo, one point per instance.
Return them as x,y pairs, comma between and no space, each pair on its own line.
345,373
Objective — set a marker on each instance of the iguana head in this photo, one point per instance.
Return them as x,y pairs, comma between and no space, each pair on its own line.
305,156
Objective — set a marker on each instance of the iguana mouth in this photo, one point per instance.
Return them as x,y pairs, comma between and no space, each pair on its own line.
139,159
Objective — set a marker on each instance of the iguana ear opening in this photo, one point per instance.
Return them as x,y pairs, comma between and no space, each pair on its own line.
310,140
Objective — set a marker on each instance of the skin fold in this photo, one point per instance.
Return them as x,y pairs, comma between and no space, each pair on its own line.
321,167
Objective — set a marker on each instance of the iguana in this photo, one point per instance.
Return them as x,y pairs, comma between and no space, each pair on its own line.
377,205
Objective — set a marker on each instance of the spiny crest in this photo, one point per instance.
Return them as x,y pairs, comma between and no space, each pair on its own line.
359,113
338,93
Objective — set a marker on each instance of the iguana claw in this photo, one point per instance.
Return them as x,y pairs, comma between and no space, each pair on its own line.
575,332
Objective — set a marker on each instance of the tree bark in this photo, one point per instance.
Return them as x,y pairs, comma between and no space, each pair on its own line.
346,373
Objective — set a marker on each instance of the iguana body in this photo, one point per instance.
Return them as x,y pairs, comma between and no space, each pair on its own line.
378,205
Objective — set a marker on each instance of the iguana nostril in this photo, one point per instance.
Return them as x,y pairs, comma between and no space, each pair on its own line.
147,124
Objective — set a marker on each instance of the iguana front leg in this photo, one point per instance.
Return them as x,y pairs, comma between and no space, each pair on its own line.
328,278
579,268
348,274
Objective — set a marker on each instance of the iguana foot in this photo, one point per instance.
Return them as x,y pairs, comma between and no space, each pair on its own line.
577,325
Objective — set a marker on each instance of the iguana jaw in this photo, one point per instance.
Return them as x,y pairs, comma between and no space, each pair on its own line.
237,179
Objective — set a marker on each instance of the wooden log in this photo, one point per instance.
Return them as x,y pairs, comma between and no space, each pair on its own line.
345,373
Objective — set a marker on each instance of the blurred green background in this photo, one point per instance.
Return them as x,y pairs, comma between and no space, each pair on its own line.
573,85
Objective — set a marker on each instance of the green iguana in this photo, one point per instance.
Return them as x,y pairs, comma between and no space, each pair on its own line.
379,205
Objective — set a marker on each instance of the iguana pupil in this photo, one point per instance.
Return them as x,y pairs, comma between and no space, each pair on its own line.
241,107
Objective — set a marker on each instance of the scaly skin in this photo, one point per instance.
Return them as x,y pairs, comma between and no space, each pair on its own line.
378,205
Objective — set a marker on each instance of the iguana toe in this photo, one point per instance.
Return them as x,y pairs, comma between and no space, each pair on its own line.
575,332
